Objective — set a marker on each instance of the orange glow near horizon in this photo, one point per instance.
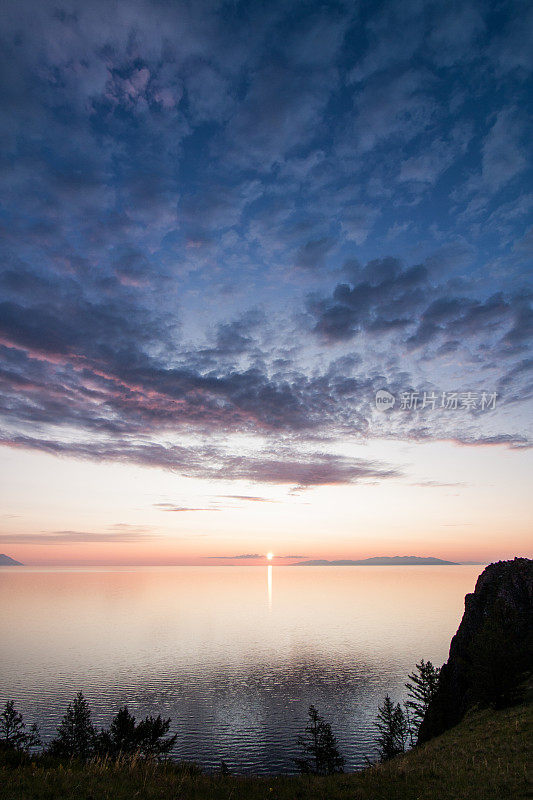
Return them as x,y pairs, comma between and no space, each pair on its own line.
459,504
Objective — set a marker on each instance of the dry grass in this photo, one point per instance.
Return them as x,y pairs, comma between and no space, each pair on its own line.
483,758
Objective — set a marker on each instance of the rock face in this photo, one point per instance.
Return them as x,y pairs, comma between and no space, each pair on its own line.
7,561
491,653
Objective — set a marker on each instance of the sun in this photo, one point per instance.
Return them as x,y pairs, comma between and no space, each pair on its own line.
270,556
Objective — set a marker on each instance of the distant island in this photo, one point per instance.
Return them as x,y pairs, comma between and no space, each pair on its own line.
378,561
7,561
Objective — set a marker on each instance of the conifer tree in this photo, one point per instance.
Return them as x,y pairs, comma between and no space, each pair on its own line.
13,733
125,736
393,730
76,737
320,753
151,732
425,681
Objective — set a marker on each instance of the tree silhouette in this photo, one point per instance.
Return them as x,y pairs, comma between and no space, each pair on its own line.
13,733
320,754
76,737
125,736
151,732
425,681
393,729
121,737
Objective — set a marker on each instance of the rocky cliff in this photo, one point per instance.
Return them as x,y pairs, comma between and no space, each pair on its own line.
491,653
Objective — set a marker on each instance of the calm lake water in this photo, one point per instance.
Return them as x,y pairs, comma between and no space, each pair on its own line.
234,655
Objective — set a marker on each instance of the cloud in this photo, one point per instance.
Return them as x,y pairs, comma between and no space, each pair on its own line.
243,556
454,34
427,167
503,154
515,442
291,557
279,113
167,168
172,507
357,221
283,467
393,106
313,254
437,484
317,39
394,299
503,158
394,34
316,470
384,300
461,316
249,498
511,48
117,534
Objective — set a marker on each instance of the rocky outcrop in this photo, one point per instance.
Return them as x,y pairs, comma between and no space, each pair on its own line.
491,653
7,561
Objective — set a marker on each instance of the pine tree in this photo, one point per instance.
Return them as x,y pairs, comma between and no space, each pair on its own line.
126,737
120,738
402,730
13,733
393,729
412,733
320,751
151,732
76,737
425,681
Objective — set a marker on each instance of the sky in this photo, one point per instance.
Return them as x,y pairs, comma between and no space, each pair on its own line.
226,226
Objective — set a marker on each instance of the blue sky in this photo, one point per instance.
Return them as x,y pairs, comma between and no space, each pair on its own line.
227,225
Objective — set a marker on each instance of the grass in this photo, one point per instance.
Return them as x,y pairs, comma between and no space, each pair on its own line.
484,758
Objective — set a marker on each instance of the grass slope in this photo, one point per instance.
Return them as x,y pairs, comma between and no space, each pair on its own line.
484,757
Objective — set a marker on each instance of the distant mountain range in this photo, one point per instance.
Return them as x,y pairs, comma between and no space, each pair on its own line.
6,561
377,561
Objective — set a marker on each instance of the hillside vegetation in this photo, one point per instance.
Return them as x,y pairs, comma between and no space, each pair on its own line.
484,757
